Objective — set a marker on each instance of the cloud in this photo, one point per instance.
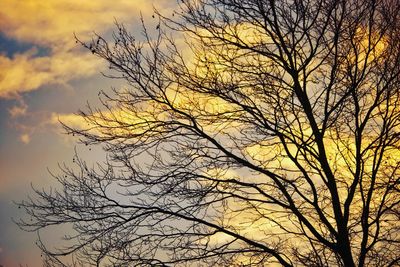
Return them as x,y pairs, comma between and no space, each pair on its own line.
51,25
70,119
19,109
25,138
25,72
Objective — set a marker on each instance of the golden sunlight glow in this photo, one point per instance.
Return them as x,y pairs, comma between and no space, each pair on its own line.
367,47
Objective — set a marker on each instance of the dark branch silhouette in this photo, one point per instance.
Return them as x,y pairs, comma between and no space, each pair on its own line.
266,133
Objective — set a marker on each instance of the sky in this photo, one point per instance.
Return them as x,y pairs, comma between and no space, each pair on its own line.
45,77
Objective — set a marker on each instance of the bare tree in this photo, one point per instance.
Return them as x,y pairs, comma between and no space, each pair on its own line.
269,136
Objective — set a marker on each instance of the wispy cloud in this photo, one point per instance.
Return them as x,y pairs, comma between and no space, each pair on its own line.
18,110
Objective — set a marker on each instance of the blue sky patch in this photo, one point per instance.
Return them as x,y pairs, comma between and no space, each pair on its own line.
10,47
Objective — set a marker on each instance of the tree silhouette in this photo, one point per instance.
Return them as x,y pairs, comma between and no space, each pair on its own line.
266,134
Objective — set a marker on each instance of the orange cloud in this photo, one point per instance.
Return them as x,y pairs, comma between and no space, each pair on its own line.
51,24
25,72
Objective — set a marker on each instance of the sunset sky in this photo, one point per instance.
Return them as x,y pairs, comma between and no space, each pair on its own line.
46,77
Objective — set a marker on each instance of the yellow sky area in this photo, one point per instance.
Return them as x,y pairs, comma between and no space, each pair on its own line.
369,47
202,106
341,150
71,120
243,32
51,25
123,121
250,226
245,221
271,155
218,59
120,122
